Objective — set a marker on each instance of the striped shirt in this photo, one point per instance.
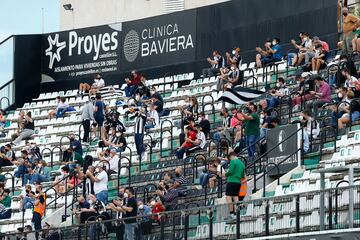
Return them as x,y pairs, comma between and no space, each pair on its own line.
140,123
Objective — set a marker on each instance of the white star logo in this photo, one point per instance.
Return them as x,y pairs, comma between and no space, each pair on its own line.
54,55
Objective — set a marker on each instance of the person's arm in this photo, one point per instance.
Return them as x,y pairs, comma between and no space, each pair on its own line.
93,178
247,117
87,210
212,62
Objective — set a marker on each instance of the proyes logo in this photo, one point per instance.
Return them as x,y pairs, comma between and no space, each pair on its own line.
78,45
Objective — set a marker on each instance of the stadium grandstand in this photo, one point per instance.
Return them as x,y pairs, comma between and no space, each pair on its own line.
216,120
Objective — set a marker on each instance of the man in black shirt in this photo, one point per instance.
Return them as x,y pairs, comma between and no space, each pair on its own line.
216,63
204,124
158,105
130,210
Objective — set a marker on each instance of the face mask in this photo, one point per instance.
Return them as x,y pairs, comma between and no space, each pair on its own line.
141,206
118,134
39,165
301,118
274,43
152,203
91,201
233,68
126,195
340,95
277,84
152,92
137,98
97,170
110,132
345,14
262,116
33,145
233,52
318,84
121,195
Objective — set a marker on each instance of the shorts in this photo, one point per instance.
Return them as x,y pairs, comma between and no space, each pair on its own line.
99,121
232,189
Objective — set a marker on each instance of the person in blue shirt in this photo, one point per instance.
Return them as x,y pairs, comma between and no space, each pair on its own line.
75,144
99,113
272,53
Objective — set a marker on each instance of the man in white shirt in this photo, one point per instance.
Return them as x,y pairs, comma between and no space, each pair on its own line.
200,137
98,83
152,119
100,180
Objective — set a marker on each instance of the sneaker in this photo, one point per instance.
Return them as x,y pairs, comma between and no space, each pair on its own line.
144,156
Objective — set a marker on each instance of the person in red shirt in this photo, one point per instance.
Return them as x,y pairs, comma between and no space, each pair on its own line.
157,207
132,83
189,141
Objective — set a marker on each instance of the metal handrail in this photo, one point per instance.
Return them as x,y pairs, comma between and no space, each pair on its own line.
161,134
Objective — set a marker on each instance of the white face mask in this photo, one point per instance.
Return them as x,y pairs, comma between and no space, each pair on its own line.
126,195
274,43
90,201
233,52
141,206
152,203
262,116
340,95
118,134
137,98
97,170
233,68
152,92
277,84
301,117
110,132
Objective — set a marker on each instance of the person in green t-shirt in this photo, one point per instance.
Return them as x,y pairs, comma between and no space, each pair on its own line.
252,129
5,199
234,175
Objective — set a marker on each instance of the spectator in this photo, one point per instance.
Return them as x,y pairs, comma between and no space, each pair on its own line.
312,129
82,205
2,119
132,84
48,233
119,126
200,137
140,120
204,124
229,79
7,157
293,58
115,140
214,171
87,115
234,57
318,61
27,201
351,81
158,105
234,176
272,53
34,150
100,180
321,96
180,179
170,196
190,138
145,223
158,207
350,24
5,198
28,129
22,163
306,84
349,64
113,161
70,158
152,119
20,125
130,210
280,91
39,174
85,87
252,129
92,209
99,113
352,111
157,95
223,132
75,144
52,113
62,108
216,63
39,209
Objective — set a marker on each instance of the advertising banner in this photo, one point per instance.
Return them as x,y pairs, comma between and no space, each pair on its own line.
81,53
161,40
284,149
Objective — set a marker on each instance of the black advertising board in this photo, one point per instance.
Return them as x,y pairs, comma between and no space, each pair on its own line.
284,149
81,53
161,40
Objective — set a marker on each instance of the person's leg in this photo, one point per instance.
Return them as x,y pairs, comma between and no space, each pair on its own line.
353,44
38,178
258,60
290,58
358,44
318,103
203,179
300,58
24,134
149,126
252,141
313,64
229,203
26,178
308,57
306,141
86,126
342,121
180,153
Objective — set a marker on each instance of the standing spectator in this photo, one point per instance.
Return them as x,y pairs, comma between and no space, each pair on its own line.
152,119
39,209
132,83
234,175
216,63
28,129
99,114
100,180
140,120
272,53
321,96
252,129
145,223
130,210
350,24
204,124
87,115
311,129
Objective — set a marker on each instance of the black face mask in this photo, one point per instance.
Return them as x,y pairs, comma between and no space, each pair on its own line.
37,192
345,14
72,139
177,174
121,195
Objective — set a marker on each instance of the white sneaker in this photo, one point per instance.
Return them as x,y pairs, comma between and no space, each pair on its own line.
144,156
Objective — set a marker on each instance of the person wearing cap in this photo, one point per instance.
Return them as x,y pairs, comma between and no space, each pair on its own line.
234,175
87,115
306,84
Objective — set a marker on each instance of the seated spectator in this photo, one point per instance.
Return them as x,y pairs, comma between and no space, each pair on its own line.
190,138
115,140
190,110
306,84
158,207
319,59
5,198
7,156
27,201
307,54
214,171
200,137
152,119
143,89
234,57
28,129
62,108
321,96
113,159
62,180
170,196
216,63
305,43
20,124
280,91
2,119
41,173
120,127
236,124
224,131
23,164
350,81
70,158
52,113
347,63
311,129
94,88
272,53
351,112
132,83
229,79
92,211
180,180
204,124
